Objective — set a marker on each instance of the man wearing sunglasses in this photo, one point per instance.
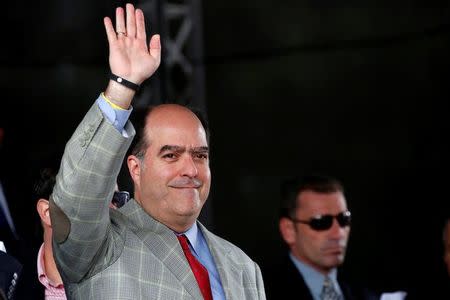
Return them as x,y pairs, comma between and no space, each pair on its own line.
315,224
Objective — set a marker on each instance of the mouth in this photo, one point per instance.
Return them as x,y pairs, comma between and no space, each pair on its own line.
184,187
186,183
334,250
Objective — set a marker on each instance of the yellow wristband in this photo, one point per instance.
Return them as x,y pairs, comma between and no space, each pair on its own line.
115,106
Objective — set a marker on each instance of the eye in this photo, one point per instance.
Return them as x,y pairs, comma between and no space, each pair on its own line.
169,156
201,156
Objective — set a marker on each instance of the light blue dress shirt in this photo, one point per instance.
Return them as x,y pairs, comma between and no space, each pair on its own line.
314,280
197,242
117,117
199,248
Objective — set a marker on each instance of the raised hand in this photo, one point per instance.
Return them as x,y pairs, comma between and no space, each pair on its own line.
129,55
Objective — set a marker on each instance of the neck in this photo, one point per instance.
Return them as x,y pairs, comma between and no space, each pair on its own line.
51,270
181,228
179,224
321,270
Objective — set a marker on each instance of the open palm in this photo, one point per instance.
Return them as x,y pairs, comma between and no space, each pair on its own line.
129,55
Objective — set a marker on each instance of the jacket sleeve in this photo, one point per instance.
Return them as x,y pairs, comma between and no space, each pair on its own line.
83,240
260,283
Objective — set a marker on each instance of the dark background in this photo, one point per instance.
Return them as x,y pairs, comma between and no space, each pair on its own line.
355,90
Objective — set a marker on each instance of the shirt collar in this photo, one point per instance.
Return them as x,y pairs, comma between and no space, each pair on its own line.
192,236
42,276
314,279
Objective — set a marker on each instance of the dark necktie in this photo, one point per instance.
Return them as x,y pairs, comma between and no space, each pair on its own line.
200,272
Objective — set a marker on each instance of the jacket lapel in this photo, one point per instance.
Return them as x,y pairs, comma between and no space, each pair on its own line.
230,273
163,244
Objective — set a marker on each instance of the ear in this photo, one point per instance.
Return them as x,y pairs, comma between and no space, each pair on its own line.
134,167
43,210
287,230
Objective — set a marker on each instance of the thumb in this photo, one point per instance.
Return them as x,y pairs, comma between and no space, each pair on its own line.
155,47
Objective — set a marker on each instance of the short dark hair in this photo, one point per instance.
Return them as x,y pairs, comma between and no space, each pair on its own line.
43,186
44,182
139,120
292,187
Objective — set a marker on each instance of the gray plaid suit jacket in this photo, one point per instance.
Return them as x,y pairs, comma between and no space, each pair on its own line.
125,253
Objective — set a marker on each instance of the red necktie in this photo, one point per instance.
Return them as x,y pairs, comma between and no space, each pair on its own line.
200,272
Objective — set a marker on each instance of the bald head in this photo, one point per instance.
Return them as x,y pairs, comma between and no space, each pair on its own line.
170,115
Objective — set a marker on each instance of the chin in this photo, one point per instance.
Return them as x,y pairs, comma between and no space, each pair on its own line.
186,203
189,208
335,262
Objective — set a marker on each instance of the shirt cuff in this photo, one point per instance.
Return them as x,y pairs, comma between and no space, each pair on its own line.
117,117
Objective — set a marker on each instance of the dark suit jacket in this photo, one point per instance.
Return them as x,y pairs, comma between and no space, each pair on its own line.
29,287
10,270
430,286
283,281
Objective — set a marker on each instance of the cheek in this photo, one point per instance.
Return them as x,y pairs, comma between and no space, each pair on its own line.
205,176
204,172
346,233
306,241
314,242
157,173
207,179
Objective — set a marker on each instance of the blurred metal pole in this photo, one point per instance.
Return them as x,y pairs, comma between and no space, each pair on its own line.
181,76
152,91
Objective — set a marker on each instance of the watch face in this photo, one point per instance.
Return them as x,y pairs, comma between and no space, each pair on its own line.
120,198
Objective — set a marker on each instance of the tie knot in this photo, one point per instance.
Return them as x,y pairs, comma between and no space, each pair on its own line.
328,290
183,241
327,281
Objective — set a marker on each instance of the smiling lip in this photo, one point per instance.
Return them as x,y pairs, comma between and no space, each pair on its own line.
185,187
185,183
334,250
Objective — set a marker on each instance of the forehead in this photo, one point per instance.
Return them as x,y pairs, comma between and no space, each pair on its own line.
312,203
175,127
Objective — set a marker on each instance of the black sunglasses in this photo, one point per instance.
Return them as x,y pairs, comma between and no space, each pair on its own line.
120,198
324,222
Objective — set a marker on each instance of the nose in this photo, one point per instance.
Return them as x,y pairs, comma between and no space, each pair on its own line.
189,167
336,231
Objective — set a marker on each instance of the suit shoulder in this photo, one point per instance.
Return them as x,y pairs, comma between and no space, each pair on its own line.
226,247
10,270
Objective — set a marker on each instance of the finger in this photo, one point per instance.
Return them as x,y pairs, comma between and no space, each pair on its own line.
120,20
140,25
110,33
155,48
131,20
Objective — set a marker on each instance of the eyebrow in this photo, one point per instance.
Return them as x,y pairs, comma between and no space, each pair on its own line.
180,149
201,149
